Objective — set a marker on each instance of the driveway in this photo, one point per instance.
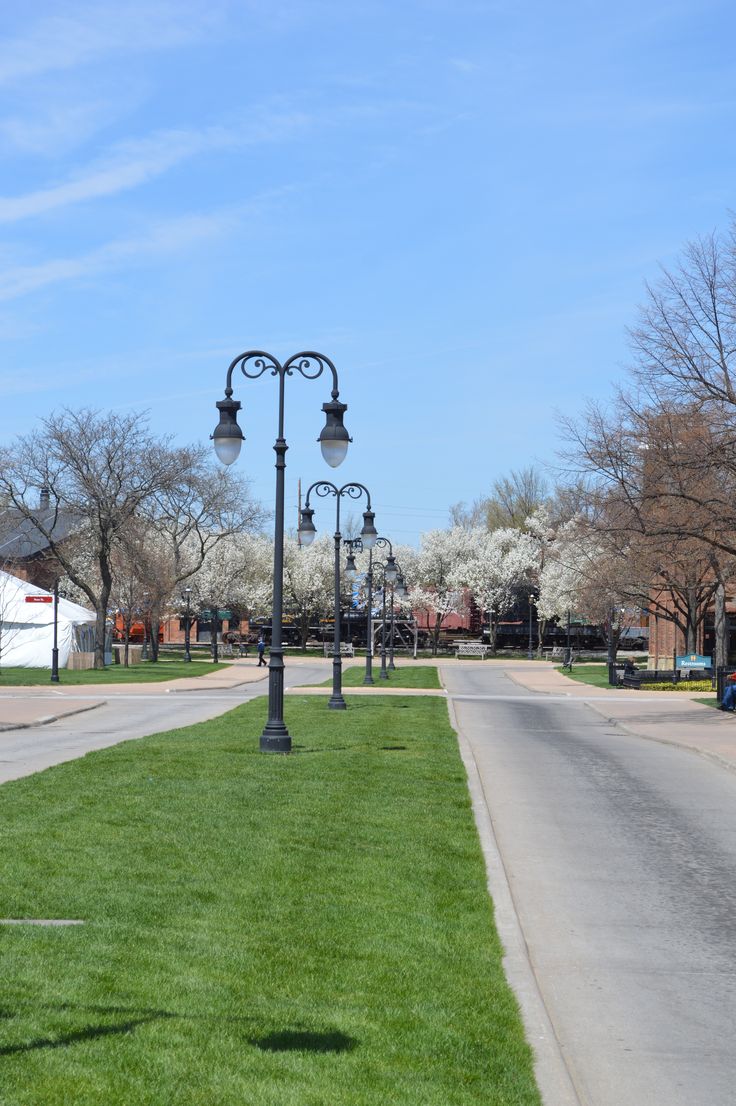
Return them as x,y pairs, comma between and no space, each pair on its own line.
612,862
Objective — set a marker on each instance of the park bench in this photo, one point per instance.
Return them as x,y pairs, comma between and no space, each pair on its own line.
648,676
346,649
471,649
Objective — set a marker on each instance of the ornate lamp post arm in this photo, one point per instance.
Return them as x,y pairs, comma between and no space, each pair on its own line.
228,438
307,532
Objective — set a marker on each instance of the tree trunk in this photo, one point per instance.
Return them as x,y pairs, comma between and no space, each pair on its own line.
127,622
436,634
304,629
721,627
692,622
541,631
100,628
153,625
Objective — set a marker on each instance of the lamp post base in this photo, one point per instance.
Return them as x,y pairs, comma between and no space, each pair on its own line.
337,702
276,740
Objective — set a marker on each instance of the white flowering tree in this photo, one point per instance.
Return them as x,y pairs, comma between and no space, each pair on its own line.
309,581
236,573
498,562
438,571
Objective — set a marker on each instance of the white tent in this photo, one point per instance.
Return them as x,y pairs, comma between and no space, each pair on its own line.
27,626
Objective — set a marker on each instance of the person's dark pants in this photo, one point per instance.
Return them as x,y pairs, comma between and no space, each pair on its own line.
261,660
728,702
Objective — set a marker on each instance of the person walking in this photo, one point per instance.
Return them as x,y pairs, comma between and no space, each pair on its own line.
261,647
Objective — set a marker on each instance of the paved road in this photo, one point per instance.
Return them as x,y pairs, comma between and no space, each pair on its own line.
620,854
125,715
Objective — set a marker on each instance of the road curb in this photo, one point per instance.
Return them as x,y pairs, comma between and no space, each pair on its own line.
47,718
706,754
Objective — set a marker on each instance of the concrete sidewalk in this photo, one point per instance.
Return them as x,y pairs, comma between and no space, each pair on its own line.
671,717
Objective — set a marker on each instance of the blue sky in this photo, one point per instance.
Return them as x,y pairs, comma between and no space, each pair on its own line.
459,203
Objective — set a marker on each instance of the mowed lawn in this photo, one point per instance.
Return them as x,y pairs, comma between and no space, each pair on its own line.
421,676
145,672
278,931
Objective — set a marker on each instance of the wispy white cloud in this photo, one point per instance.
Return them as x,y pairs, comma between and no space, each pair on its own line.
165,237
133,163
92,31
51,128
464,65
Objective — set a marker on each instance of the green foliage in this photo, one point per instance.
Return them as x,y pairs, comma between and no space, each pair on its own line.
682,685
281,931
594,674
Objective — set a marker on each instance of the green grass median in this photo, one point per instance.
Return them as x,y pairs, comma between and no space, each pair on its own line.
594,674
143,673
421,676
277,931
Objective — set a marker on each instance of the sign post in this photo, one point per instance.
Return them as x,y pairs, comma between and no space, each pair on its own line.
55,650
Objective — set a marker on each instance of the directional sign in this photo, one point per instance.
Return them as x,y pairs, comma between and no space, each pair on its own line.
39,599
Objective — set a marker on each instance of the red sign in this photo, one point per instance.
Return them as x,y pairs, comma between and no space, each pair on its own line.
39,599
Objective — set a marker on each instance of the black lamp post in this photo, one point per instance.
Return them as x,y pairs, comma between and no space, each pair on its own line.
186,596
368,534
55,647
530,654
398,591
389,572
351,572
228,438
357,545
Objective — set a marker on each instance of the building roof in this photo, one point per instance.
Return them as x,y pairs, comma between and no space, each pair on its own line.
21,539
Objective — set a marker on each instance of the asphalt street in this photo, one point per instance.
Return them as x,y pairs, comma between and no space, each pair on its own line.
122,716
620,856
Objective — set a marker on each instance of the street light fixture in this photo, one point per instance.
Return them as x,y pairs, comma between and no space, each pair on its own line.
398,591
381,566
368,535
228,439
357,545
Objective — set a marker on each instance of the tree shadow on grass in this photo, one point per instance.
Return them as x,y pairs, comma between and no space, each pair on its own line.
89,1033
303,1040
286,1040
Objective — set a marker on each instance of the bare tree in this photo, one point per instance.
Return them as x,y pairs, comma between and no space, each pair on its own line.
184,521
100,469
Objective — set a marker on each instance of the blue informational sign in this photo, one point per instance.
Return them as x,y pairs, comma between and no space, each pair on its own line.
694,660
